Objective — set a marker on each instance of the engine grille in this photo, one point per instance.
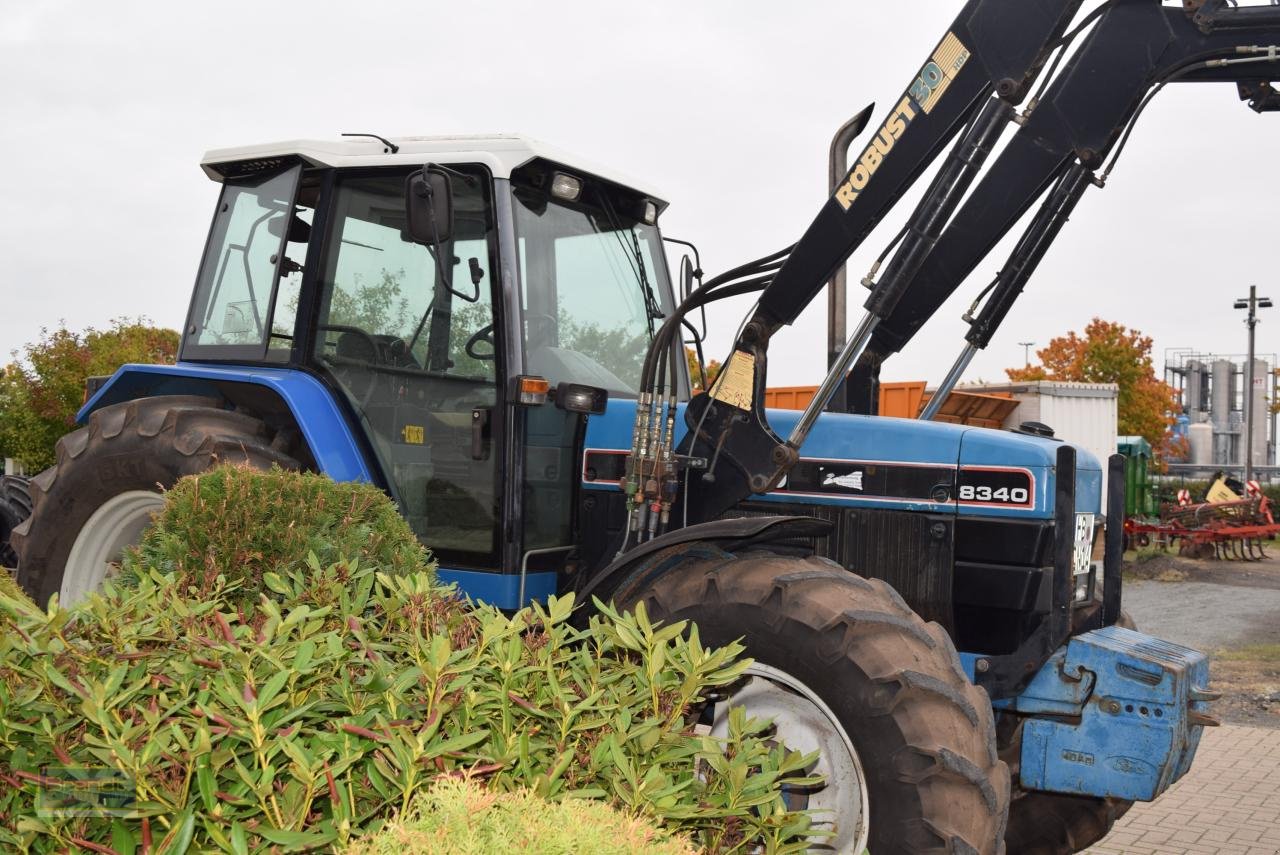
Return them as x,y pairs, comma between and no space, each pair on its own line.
910,550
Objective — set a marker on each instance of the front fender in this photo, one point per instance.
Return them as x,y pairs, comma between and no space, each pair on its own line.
335,447
728,534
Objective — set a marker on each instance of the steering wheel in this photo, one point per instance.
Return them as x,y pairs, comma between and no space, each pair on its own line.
374,351
484,334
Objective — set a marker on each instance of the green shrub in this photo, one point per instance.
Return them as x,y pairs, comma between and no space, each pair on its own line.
9,586
239,522
312,716
459,817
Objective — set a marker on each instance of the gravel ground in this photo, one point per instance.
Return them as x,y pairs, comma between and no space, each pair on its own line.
1203,615
1228,609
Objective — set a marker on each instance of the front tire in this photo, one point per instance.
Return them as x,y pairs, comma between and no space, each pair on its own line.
108,482
862,669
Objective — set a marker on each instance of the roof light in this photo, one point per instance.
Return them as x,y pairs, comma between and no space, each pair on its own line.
566,186
531,390
650,212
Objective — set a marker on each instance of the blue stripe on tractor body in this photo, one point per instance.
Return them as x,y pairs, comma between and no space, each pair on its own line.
501,589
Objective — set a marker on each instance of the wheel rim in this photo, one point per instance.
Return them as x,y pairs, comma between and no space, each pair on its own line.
804,723
117,524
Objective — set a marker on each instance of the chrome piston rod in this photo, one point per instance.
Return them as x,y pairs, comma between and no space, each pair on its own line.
949,382
853,349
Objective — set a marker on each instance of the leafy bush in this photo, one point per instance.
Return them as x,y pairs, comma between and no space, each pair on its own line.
313,715
9,586
40,394
459,817
238,522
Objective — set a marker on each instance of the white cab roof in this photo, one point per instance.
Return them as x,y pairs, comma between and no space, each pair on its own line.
501,153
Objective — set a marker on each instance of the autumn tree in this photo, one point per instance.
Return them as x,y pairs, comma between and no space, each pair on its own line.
1109,352
713,369
43,388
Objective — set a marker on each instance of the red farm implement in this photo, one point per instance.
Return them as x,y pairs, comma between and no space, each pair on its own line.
1225,530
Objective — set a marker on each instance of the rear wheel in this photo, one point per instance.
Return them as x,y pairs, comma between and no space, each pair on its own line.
15,506
108,480
907,743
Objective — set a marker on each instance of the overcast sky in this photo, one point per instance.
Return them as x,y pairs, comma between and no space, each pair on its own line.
727,106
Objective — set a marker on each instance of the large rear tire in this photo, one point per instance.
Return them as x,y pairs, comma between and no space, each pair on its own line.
15,507
108,480
842,663
1055,823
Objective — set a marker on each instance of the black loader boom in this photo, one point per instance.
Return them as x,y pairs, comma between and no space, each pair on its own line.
969,90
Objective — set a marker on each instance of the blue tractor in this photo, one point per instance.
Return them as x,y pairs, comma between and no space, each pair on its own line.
486,328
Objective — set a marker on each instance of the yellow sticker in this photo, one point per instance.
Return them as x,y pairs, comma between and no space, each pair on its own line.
413,434
937,74
736,384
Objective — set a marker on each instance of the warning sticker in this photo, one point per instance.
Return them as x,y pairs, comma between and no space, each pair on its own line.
736,384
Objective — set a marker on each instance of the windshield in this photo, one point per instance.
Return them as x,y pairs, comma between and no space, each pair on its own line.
594,289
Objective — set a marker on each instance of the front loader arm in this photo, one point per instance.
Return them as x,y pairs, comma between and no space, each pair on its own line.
1134,46
1078,121
992,47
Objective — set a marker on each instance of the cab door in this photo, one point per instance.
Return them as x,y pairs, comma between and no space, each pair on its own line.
406,330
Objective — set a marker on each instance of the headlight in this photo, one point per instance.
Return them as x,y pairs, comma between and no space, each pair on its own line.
1084,584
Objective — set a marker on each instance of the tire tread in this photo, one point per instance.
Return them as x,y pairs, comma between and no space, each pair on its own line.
912,667
173,435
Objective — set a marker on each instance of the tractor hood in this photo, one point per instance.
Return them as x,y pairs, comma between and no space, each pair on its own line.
906,464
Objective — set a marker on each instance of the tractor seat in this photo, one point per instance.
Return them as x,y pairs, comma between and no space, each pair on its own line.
355,347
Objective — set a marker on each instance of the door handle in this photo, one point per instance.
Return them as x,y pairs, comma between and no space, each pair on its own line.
480,433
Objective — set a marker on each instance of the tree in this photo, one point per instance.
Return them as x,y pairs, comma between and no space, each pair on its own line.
41,391
1109,352
713,369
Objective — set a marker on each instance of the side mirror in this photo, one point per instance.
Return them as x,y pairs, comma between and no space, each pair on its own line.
686,278
428,197
580,398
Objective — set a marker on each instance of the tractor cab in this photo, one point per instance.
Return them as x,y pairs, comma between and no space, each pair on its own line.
467,298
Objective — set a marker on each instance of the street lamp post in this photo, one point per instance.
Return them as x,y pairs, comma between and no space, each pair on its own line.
1252,304
1026,352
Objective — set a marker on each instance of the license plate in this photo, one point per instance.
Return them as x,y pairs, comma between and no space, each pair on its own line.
1083,558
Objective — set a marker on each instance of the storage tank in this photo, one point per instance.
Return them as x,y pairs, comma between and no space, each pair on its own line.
1261,374
1200,437
1193,387
1221,394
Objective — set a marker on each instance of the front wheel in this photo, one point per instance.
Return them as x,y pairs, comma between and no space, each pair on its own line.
842,665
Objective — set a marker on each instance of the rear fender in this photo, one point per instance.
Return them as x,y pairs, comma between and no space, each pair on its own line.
290,393
727,534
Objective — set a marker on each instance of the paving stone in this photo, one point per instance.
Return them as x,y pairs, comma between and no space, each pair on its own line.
1229,804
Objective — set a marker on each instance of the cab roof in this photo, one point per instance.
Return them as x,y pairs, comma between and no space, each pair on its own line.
500,153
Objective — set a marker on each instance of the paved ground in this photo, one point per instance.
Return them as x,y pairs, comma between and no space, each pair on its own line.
1229,803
